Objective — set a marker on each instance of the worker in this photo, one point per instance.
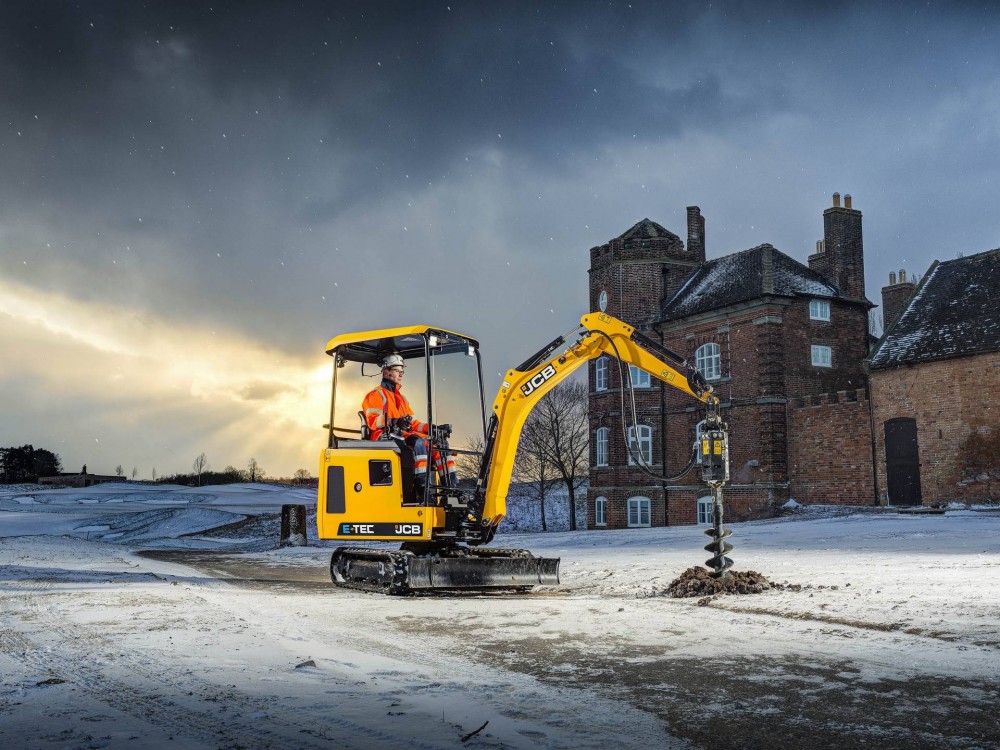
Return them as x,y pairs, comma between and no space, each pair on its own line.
386,410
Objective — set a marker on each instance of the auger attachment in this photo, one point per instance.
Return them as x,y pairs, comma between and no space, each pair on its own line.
719,547
714,455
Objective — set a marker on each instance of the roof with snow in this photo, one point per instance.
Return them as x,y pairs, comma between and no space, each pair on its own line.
647,229
954,313
741,277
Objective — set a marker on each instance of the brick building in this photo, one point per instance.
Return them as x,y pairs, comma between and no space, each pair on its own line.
935,385
783,345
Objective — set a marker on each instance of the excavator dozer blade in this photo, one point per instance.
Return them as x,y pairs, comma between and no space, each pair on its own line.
403,572
493,572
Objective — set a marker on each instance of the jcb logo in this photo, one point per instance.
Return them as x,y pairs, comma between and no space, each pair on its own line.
536,382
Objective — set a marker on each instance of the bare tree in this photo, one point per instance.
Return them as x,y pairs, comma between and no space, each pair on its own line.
200,466
302,476
119,470
135,472
467,465
531,465
557,428
254,471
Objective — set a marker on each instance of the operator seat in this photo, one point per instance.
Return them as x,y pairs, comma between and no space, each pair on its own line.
406,464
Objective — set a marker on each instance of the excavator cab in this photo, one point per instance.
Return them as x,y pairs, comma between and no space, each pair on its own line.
367,487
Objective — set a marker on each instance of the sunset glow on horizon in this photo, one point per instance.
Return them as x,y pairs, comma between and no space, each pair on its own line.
121,371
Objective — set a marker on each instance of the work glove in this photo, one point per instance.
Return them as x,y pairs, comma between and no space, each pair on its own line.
401,424
442,431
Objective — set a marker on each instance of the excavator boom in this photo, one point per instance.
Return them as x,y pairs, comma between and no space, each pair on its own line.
523,387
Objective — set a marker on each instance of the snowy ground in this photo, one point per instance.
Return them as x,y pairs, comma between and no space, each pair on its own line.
116,631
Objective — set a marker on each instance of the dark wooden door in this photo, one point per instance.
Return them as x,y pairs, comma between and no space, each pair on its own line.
902,461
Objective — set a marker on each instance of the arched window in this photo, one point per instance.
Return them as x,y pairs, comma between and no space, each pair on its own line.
708,359
640,378
601,374
640,440
705,510
601,446
600,511
638,511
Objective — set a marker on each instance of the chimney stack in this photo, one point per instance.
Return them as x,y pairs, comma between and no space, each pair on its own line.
843,261
696,233
895,298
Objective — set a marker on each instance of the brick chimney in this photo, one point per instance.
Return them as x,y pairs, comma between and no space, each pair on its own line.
895,298
696,233
841,256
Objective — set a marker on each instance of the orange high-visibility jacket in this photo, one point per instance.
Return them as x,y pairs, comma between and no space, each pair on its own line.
384,403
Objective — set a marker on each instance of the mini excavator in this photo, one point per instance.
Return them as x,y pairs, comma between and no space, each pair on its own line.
367,492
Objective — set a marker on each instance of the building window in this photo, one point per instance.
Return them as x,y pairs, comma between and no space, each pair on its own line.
819,309
601,450
640,441
640,378
822,356
601,374
638,511
708,360
705,510
601,511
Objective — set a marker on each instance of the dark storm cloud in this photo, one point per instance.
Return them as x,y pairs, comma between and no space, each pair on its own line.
404,89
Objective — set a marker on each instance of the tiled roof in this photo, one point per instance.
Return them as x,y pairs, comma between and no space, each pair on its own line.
647,230
744,276
954,313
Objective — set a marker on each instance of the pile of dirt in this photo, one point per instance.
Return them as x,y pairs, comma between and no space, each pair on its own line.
697,582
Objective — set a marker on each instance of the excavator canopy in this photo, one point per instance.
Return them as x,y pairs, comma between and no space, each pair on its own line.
408,341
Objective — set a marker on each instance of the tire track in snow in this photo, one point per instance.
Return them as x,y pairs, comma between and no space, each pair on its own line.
172,698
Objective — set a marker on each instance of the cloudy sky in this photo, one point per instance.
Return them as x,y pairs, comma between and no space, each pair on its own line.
195,197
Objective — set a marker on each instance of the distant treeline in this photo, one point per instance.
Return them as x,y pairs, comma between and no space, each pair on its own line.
232,475
229,475
26,464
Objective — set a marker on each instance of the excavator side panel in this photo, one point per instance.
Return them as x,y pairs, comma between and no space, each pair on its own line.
361,497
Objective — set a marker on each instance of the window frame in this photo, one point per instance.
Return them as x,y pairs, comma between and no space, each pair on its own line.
605,433
600,511
639,377
821,349
601,373
704,509
643,507
817,307
714,358
636,437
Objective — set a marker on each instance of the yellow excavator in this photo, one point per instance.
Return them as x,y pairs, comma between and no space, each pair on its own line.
367,489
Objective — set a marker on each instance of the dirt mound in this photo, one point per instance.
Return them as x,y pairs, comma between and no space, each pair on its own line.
697,582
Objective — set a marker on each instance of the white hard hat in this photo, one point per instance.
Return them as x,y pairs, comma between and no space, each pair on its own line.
393,360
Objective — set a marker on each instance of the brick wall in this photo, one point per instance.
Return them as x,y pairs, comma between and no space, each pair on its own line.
846,333
830,453
956,405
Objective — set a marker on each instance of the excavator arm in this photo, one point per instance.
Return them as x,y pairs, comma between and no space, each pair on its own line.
524,386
